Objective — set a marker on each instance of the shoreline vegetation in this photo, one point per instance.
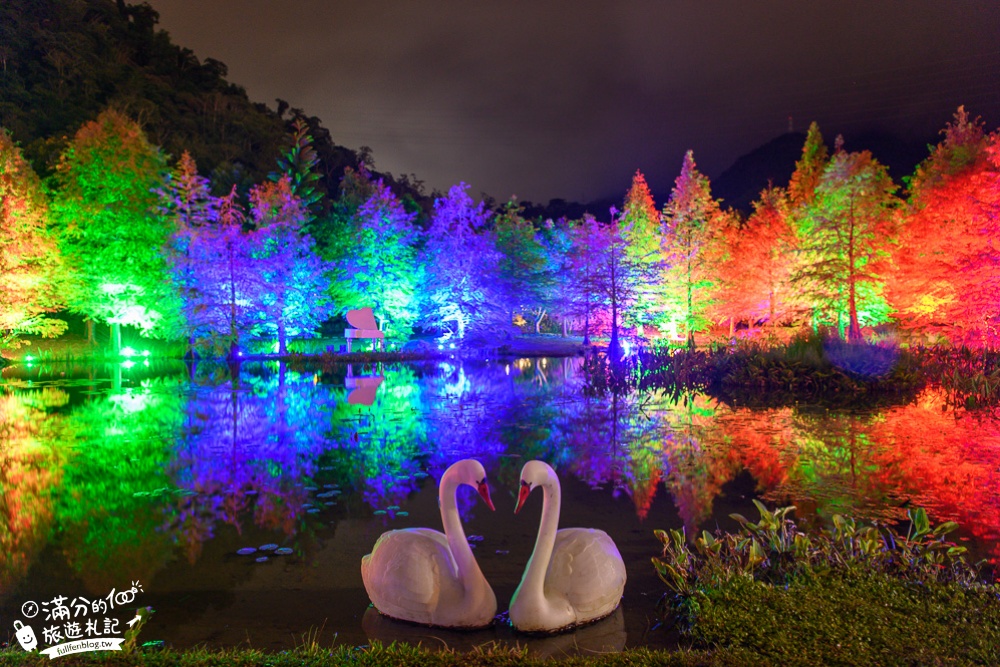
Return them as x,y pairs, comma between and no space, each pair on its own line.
808,369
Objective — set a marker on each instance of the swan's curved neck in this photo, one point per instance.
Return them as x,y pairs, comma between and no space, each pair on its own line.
534,575
468,568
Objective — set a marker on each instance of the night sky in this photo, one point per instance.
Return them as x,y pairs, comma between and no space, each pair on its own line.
544,99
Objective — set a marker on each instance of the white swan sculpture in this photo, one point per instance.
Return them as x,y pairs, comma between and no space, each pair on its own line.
574,576
424,576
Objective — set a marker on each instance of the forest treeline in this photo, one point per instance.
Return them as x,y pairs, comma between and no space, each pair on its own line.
221,222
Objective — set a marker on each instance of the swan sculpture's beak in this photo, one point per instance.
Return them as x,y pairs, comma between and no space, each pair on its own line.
522,496
484,491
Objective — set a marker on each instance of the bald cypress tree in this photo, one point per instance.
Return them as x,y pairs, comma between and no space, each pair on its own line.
692,230
641,231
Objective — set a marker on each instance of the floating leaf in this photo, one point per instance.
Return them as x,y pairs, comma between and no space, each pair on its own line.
283,551
268,547
246,551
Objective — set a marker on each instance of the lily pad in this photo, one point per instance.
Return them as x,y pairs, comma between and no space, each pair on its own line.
402,514
262,559
378,512
246,551
268,547
282,551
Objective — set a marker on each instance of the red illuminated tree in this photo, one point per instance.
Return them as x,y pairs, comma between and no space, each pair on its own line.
946,279
755,271
30,266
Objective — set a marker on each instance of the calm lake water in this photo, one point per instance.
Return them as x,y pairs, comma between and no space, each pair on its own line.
240,508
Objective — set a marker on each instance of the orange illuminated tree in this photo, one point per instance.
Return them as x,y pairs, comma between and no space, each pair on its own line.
946,279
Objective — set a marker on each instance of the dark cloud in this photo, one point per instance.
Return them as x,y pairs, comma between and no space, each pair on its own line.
547,98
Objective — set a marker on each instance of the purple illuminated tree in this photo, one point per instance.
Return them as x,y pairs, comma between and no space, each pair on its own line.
186,199
610,274
460,287
293,299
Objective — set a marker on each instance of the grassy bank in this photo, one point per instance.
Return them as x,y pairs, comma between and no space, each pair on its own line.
849,595
377,655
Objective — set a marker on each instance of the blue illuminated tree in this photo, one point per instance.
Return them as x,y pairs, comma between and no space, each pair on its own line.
459,291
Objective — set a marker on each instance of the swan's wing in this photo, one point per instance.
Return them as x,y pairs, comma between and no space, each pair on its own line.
588,570
407,571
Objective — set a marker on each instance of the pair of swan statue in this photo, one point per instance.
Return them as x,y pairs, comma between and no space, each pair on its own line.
575,575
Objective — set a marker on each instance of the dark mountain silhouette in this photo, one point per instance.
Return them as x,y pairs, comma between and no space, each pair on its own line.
740,184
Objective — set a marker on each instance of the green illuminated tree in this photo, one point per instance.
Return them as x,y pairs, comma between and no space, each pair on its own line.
524,274
30,266
809,168
642,231
846,235
110,233
378,264
691,243
299,163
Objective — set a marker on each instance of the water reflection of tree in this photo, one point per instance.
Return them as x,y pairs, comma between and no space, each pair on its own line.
111,496
381,446
875,465
249,441
31,469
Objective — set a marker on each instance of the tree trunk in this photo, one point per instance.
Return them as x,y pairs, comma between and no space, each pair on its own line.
90,331
538,321
116,337
282,332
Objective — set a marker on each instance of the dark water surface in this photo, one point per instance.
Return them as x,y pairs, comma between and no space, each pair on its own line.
148,481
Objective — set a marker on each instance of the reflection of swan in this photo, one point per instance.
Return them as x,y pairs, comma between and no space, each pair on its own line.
574,576
605,636
423,576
